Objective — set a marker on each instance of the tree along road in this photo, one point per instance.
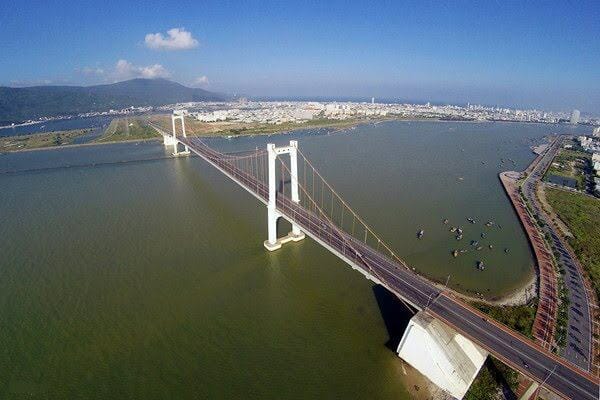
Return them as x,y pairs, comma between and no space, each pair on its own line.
578,347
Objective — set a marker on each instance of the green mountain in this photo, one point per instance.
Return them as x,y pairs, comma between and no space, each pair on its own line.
19,104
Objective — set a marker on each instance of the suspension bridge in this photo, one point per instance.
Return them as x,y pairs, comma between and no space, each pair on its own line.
290,186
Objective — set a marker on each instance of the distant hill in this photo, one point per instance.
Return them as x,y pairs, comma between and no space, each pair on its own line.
18,104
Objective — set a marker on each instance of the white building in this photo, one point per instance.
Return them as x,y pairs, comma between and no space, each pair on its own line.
575,117
303,114
180,112
219,115
585,142
333,109
597,132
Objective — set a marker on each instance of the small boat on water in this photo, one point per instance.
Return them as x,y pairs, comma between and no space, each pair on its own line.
459,231
471,220
483,235
420,234
474,242
479,248
445,221
480,265
459,237
491,246
453,229
463,250
506,250
455,253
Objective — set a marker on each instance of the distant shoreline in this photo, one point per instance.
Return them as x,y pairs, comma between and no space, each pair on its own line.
336,125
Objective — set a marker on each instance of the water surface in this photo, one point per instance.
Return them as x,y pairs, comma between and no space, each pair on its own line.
97,123
148,279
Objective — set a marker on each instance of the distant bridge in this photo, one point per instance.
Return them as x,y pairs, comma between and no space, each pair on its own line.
297,192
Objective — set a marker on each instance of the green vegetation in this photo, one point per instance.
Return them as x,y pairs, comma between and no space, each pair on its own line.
121,129
581,214
40,140
570,163
519,318
494,374
562,318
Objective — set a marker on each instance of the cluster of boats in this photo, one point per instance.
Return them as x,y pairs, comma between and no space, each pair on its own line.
475,245
480,265
458,230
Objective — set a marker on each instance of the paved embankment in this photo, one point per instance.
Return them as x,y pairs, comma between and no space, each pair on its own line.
545,317
579,342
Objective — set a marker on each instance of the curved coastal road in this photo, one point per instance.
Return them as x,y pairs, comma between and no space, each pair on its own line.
578,347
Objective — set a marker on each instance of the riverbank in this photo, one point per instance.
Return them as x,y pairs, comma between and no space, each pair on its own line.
76,145
137,129
517,297
41,140
418,386
232,129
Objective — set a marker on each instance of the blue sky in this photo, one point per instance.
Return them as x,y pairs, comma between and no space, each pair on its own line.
539,54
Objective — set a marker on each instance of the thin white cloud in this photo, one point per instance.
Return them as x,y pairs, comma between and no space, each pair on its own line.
176,39
201,81
126,70
92,71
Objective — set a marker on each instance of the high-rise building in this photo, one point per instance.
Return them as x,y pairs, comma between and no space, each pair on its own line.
575,117
372,100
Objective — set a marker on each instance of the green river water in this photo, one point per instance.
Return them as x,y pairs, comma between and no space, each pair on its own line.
148,279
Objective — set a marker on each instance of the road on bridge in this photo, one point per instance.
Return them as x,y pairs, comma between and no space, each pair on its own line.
512,348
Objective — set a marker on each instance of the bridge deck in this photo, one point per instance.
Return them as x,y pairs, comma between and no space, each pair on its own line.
515,350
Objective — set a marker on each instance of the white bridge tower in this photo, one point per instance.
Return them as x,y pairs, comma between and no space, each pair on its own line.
172,140
274,243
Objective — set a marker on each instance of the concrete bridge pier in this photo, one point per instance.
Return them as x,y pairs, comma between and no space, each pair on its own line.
444,356
273,243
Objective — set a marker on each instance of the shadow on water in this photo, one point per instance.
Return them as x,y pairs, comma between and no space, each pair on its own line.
394,313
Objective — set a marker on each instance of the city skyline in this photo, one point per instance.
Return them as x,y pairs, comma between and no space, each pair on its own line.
537,56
